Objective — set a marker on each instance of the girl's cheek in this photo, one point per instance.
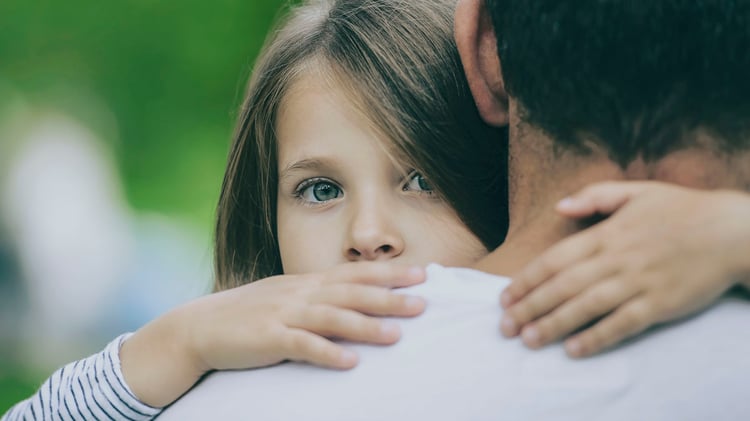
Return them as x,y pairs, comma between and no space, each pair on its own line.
308,243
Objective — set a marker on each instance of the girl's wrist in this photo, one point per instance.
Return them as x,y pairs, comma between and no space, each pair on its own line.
158,362
188,342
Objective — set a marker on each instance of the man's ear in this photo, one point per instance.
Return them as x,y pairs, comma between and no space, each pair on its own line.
477,46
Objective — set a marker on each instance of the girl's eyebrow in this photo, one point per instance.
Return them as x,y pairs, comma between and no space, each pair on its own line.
310,164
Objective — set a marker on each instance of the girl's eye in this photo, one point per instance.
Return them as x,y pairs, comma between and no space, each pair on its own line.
319,192
417,182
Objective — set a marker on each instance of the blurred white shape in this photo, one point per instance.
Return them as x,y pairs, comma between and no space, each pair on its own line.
67,216
92,268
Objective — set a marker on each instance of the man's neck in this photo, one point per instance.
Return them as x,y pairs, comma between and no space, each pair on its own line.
540,177
518,251
530,235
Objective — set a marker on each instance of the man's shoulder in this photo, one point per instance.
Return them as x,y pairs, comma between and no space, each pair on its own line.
452,363
439,272
460,283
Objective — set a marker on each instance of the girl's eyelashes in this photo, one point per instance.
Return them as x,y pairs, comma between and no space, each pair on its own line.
418,183
317,191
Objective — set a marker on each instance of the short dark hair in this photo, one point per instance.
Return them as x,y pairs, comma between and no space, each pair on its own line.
635,77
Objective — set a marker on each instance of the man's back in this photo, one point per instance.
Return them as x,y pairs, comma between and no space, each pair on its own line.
453,364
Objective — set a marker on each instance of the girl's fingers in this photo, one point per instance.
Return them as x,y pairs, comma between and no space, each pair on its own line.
346,324
371,300
561,256
629,319
553,293
600,198
375,273
302,345
593,303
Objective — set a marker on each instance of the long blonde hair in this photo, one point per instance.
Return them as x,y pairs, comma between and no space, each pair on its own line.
397,62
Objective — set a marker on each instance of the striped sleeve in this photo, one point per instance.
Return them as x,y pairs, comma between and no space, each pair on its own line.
89,389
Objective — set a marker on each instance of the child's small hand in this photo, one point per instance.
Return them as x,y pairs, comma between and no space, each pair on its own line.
292,317
666,252
286,317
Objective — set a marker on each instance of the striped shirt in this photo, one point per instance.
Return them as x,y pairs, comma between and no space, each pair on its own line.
89,389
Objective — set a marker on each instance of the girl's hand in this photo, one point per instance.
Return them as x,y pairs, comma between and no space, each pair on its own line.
666,252
287,317
291,317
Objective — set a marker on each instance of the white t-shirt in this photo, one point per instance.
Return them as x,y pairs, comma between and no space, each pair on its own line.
453,364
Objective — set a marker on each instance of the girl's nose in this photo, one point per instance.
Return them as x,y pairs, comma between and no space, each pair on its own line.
373,236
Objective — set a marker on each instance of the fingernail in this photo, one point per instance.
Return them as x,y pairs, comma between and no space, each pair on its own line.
416,272
508,326
414,303
348,357
530,336
573,347
390,329
506,299
566,203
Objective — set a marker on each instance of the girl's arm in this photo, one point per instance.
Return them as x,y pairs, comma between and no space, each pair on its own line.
287,317
256,325
92,388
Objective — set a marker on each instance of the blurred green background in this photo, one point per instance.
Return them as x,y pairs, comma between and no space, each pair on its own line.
170,73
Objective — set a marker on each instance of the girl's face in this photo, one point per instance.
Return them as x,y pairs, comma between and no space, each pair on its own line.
342,199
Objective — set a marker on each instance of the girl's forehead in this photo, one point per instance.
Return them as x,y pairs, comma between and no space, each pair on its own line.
318,129
323,104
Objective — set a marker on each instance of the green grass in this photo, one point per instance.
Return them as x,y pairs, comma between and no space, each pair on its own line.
16,385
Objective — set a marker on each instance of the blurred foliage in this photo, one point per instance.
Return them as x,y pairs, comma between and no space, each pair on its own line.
15,386
171,73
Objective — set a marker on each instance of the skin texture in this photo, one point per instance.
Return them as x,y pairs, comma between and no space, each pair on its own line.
667,252
380,210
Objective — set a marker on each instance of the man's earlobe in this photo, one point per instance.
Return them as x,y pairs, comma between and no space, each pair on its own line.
477,46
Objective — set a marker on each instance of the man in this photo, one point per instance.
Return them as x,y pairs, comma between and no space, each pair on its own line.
596,101
591,91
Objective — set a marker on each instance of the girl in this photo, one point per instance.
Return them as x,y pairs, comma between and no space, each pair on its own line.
358,144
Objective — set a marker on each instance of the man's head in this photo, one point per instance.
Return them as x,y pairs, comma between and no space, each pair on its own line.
630,79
